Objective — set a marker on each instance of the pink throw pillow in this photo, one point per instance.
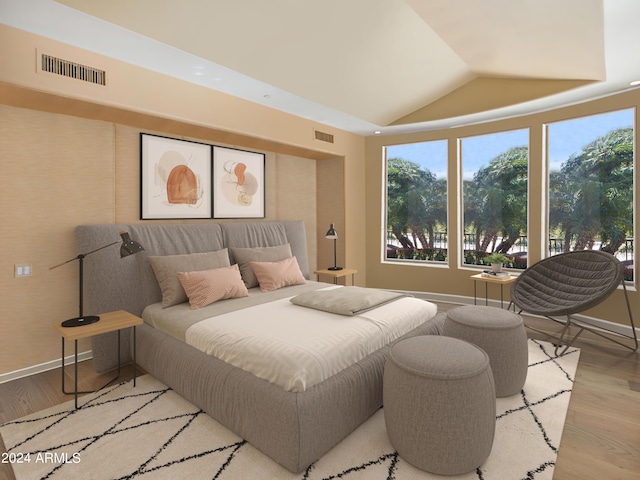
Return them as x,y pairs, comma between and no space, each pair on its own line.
207,286
274,275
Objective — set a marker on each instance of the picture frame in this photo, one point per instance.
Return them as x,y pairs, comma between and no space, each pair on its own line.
175,178
238,183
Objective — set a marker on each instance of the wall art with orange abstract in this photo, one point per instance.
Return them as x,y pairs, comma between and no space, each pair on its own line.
175,178
238,183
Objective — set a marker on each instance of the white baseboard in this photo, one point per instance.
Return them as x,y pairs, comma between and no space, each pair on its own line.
598,323
43,367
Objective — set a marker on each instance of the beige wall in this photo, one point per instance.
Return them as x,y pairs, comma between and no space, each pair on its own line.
57,171
70,155
331,209
454,279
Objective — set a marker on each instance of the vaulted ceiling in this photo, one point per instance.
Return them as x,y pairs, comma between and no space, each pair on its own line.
365,65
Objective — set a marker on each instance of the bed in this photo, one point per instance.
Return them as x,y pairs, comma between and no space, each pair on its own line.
292,424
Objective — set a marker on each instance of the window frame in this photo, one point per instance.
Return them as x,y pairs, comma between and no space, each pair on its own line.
460,179
547,178
384,211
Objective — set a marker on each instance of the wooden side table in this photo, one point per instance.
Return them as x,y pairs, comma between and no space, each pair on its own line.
502,281
336,274
109,322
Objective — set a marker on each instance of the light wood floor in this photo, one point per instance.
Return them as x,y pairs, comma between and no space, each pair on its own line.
601,438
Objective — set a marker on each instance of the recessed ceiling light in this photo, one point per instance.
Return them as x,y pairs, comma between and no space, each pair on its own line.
635,83
377,132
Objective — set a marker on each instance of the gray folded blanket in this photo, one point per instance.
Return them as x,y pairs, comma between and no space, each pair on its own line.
346,300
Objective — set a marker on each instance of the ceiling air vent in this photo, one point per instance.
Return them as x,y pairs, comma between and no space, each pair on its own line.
323,137
73,70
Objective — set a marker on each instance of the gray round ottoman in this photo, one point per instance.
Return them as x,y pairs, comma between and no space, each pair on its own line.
439,403
501,334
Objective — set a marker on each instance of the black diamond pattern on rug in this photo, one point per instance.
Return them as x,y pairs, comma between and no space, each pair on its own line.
150,432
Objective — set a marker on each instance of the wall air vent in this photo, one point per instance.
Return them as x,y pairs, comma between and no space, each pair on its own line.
323,137
73,70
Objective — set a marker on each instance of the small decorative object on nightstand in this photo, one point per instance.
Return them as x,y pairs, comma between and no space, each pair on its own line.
109,322
333,235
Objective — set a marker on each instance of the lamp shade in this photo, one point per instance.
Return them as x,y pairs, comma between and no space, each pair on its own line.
331,233
129,246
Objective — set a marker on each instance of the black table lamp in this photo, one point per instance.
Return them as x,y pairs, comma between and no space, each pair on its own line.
333,235
128,247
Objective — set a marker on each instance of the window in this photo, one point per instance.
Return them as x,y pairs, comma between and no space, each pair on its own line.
416,211
591,185
494,191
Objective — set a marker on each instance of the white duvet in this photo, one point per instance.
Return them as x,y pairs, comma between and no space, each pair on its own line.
297,347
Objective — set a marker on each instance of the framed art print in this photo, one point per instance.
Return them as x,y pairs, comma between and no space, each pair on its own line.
175,177
238,183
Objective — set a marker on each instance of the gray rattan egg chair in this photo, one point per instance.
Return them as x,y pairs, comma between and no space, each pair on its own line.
570,283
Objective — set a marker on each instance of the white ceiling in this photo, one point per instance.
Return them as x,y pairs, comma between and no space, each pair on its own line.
364,65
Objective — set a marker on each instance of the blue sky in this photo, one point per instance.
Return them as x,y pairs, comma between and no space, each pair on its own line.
565,138
431,155
570,136
479,151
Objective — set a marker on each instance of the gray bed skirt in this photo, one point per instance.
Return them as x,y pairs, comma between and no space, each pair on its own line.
294,429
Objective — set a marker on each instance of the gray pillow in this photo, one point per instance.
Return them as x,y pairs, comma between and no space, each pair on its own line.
166,269
244,256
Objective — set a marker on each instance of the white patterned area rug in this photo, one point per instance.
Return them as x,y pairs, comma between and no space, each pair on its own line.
150,432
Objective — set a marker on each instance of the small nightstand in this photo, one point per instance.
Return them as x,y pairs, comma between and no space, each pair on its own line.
109,322
502,281
336,274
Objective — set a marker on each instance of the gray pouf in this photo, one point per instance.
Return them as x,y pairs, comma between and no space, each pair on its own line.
439,403
501,334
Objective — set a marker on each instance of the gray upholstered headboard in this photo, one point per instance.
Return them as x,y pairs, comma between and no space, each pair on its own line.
129,283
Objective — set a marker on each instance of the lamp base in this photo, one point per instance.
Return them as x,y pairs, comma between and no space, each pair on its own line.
334,268
79,321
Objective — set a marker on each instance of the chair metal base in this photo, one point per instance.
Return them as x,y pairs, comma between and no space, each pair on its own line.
603,332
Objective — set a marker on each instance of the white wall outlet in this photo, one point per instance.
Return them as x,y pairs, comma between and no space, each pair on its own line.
23,270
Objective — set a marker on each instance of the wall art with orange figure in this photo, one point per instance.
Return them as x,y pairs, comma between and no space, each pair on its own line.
238,183
175,178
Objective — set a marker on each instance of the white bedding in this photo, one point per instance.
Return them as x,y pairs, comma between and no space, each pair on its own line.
297,347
